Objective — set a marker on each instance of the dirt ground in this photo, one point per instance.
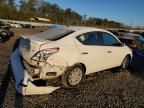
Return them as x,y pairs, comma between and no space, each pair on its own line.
108,89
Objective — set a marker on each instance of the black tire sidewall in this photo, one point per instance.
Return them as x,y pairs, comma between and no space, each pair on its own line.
1,40
127,59
4,37
3,32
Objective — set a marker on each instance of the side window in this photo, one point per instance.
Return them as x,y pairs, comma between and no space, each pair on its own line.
90,38
110,40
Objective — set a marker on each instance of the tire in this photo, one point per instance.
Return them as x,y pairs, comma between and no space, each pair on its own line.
125,64
3,33
73,76
4,36
1,39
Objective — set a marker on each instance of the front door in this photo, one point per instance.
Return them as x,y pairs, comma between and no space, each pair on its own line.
113,49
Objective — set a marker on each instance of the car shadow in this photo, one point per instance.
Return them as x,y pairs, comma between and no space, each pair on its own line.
4,86
136,69
137,66
6,81
5,40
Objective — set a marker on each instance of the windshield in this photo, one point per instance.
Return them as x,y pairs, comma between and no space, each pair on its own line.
141,38
54,33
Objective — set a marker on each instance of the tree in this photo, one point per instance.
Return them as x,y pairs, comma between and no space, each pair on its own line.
41,8
11,2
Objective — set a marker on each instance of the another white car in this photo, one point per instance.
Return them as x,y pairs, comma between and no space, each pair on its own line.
68,53
15,25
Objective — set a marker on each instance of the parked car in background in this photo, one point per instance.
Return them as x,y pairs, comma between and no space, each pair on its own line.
118,32
67,53
15,25
4,25
142,34
27,26
5,34
122,31
133,40
115,32
137,32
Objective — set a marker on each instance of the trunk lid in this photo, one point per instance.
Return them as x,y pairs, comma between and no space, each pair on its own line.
30,45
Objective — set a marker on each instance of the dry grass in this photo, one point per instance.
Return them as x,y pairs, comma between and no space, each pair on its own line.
105,90
6,48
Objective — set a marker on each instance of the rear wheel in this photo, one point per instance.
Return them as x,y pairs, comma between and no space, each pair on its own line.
73,76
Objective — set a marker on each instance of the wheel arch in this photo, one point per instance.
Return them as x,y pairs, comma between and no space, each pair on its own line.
83,66
128,55
64,76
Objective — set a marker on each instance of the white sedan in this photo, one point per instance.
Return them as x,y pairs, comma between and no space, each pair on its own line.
68,53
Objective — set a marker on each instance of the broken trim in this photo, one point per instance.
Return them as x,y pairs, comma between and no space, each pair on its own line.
23,78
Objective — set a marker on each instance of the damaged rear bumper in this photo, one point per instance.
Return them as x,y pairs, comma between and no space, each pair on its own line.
23,80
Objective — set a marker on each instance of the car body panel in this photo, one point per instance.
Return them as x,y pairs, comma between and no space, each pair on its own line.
114,56
23,78
71,52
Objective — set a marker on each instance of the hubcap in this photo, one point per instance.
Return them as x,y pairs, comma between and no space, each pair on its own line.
3,33
75,76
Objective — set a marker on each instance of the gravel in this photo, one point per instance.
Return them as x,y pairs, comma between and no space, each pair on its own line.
107,89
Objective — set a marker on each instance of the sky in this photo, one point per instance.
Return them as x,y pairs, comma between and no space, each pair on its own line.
130,12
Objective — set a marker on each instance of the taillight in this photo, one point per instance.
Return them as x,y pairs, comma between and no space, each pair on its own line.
133,42
43,55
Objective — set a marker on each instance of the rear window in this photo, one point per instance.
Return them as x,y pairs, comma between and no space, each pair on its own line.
54,33
141,38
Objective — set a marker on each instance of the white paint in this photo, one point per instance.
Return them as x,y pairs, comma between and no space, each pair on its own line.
22,76
70,53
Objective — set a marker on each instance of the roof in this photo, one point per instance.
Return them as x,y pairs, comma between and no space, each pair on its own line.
76,28
130,34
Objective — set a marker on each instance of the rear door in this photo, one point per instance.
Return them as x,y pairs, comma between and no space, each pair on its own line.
113,49
92,53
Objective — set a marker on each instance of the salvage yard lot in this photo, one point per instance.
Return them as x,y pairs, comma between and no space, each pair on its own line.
105,89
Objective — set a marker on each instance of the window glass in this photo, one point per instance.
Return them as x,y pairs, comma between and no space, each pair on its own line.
110,40
141,38
54,33
91,38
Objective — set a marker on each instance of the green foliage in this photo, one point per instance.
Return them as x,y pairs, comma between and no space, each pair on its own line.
41,8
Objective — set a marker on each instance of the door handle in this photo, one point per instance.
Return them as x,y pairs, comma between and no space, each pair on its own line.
84,53
109,51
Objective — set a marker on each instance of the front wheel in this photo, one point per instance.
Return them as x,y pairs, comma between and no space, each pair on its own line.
73,76
125,64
